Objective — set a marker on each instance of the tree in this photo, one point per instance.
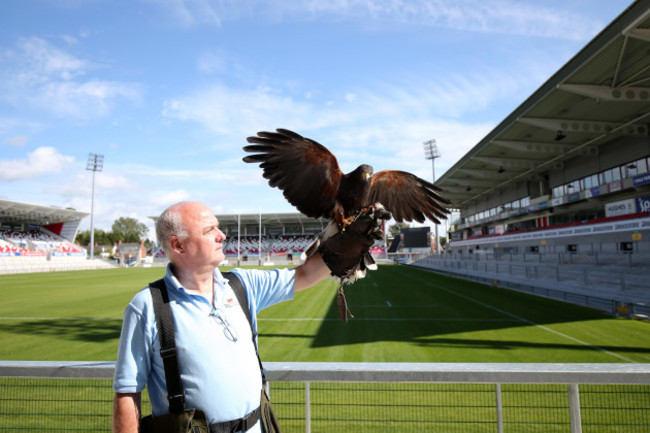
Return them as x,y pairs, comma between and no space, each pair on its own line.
101,237
394,230
129,230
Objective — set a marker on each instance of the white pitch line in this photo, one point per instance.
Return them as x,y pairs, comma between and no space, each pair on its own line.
397,305
62,318
553,331
391,319
289,319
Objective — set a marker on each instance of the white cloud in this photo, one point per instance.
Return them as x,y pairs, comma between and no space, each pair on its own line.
17,140
83,100
11,125
485,16
190,12
37,74
211,63
239,111
81,184
46,59
385,126
168,198
41,161
70,40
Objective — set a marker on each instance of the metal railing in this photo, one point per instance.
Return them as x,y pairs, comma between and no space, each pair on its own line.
607,290
359,397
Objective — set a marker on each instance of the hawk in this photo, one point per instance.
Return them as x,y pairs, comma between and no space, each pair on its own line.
310,179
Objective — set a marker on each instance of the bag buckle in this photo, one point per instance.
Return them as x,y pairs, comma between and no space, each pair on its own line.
176,402
167,352
249,420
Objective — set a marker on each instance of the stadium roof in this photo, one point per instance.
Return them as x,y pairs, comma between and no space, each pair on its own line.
602,93
25,213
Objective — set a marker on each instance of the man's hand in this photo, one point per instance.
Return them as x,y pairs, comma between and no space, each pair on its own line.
346,252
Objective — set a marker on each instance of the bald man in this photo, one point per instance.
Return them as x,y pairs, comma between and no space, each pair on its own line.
217,357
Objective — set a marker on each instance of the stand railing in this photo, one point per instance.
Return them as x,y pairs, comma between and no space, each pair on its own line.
359,397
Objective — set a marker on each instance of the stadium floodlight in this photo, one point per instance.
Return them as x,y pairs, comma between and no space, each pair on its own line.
95,163
431,152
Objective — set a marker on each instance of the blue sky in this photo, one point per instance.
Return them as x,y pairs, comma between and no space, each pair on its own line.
168,90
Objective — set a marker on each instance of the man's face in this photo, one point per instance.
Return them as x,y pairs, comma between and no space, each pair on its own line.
204,244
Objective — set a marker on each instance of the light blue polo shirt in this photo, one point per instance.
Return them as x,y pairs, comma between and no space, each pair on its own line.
219,368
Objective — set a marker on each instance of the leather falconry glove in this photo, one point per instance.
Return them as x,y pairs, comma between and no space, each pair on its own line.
346,252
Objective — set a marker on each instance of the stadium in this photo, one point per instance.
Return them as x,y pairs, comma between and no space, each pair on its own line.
532,318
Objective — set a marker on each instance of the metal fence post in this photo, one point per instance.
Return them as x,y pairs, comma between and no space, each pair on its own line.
622,280
574,408
307,409
499,408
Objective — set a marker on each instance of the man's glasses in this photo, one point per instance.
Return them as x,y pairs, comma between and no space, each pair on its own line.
228,330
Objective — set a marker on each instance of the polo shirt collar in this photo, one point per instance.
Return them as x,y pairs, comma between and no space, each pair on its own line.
220,280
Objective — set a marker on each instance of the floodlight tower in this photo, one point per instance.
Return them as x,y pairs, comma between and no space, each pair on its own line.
431,152
95,163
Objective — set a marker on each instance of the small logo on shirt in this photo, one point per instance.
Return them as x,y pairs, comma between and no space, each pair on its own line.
231,302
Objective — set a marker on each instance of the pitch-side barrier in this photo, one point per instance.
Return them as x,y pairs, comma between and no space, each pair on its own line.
360,397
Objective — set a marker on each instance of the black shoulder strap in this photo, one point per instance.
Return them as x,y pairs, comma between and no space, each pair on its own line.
240,292
165,321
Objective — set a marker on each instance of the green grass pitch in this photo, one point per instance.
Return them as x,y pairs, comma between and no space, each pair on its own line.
402,314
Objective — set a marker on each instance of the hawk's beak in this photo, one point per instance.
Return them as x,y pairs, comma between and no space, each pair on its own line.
367,176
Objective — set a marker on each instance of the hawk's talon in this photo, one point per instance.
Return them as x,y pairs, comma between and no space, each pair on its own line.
347,222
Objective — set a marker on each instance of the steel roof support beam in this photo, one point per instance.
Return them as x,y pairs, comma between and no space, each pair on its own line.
480,173
544,147
605,93
512,163
643,34
465,182
585,126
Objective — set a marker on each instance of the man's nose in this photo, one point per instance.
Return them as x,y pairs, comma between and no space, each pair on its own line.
220,236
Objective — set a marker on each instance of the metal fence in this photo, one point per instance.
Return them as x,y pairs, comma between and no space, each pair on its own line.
608,291
366,397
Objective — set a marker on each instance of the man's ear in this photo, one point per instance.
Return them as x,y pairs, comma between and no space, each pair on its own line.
176,244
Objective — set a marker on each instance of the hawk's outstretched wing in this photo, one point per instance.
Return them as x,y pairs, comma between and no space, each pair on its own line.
407,196
306,172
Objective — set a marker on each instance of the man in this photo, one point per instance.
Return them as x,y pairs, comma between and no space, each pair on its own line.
219,367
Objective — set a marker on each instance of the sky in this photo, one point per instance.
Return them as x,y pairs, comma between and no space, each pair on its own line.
168,90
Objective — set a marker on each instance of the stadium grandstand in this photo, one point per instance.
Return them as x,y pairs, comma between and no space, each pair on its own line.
558,194
36,238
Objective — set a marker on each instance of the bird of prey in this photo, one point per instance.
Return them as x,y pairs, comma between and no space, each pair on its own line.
310,179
